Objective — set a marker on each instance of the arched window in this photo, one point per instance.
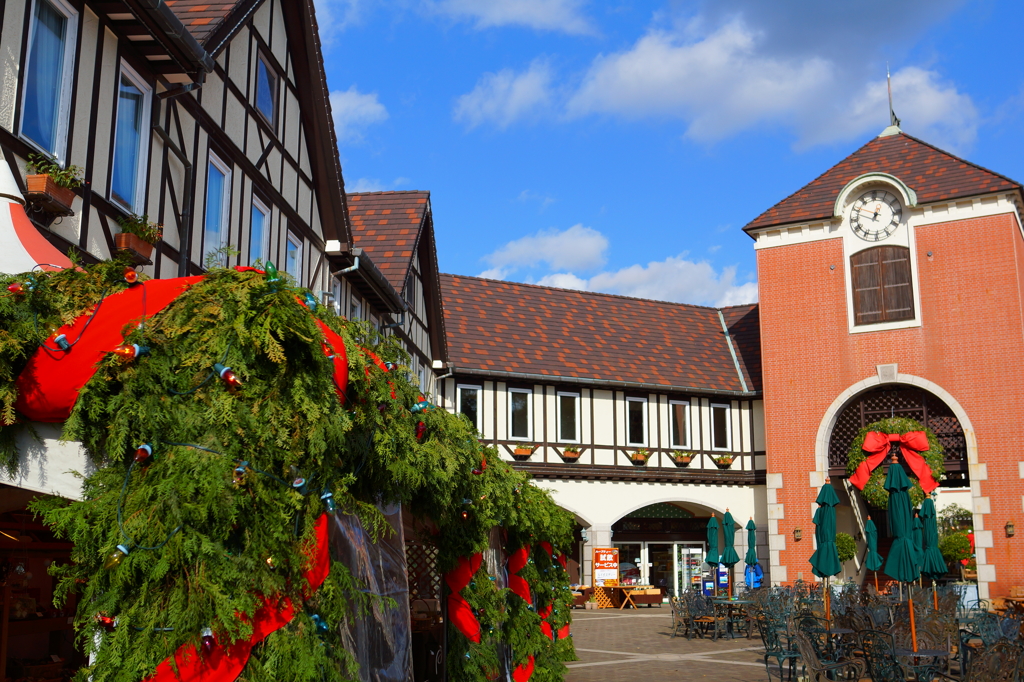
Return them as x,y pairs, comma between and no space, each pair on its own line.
882,287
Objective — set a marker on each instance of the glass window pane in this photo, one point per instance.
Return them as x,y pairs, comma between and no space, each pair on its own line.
256,234
468,398
636,422
520,415
44,75
216,186
293,259
567,417
679,426
127,142
719,427
266,85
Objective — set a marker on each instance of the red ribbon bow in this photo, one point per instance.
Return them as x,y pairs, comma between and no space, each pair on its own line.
517,583
459,610
877,446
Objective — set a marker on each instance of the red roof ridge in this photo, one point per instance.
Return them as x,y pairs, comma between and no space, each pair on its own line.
593,293
389,191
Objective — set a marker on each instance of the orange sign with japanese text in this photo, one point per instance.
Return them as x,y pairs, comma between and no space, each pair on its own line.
606,565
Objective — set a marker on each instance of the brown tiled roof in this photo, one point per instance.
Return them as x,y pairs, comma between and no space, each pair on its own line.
202,17
523,328
387,226
933,174
744,323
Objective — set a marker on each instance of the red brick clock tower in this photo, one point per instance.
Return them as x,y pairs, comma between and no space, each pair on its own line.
893,284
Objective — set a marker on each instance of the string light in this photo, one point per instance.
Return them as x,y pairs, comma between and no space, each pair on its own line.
238,477
228,376
328,498
129,351
62,342
421,430
143,452
208,640
131,276
16,289
116,557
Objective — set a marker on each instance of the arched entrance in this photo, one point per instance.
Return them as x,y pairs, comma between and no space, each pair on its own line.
664,545
896,400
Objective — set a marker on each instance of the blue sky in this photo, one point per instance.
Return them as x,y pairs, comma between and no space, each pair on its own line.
621,147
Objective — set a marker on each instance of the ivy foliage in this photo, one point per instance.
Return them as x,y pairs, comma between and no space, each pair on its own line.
214,520
846,546
873,492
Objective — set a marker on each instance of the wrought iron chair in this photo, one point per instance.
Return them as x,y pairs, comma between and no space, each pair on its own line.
816,630
703,617
880,655
778,644
680,619
822,670
1001,662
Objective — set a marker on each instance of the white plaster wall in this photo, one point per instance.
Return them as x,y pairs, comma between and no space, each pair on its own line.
47,465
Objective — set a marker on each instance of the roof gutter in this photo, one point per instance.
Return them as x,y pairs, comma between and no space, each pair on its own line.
361,266
174,30
583,381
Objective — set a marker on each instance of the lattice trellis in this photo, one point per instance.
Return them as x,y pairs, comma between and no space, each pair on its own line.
911,403
424,579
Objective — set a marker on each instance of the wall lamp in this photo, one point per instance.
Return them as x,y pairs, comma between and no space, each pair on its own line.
798,534
1011,530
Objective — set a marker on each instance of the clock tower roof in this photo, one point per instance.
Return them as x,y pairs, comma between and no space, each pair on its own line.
935,175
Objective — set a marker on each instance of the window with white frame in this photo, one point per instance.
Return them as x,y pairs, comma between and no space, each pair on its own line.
259,231
218,204
469,403
355,310
520,416
128,174
568,417
679,412
293,257
266,89
720,431
49,73
336,291
636,421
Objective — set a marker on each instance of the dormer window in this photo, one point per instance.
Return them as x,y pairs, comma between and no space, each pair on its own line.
883,289
266,89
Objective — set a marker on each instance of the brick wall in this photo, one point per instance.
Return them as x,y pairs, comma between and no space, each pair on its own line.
970,344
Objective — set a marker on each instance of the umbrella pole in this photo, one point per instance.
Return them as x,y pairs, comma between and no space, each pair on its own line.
913,629
828,604
935,595
876,581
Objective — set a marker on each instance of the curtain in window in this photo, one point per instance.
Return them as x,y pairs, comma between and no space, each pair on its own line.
293,259
259,224
127,142
216,184
44,75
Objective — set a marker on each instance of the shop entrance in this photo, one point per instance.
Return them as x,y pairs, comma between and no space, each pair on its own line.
672,565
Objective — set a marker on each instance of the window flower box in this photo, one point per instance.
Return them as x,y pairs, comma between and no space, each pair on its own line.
137,237
724,461
522,453
640,457
42,192
683,459
570,454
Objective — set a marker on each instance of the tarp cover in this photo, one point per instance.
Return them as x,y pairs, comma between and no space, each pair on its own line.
380,639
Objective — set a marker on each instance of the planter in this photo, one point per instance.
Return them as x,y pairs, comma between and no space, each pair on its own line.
638,460
590,606
570,457
682,461
135,246
48,196
724,464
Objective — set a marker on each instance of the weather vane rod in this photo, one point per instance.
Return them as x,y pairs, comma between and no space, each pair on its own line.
893,121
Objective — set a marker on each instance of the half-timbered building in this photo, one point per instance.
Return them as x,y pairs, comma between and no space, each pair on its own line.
643,417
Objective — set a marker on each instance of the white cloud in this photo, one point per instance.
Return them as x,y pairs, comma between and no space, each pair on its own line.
547,15
353,112
563,280
375,185
576,248
334,16
543,199
505,97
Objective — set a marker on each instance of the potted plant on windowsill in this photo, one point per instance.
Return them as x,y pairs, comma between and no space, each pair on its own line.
523,451
640,457
137,237
724,461
50,187
682,459
570,454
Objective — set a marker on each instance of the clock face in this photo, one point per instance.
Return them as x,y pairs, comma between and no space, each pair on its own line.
875,215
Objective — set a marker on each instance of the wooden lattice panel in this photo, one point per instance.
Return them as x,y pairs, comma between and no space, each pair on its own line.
421,563
604,598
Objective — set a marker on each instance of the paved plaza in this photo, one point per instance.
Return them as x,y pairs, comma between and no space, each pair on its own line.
637,646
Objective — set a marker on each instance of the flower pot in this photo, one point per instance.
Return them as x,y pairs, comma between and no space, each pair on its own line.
724,464
638,460
570,457
682,461
590,605
47,195
135,246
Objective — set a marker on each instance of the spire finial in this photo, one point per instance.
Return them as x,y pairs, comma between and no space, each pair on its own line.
893,121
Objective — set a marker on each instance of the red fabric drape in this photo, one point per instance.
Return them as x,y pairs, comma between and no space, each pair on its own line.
523,672
877,446
50,382
516,562
225,663
459,610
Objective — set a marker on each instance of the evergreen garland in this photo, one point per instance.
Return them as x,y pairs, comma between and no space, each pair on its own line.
873,492
215,520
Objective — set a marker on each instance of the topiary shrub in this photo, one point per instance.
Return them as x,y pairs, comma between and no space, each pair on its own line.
846,546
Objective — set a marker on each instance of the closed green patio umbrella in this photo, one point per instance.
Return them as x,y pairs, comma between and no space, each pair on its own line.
729,556
751,557
933,564
713,557
825,560
902,561
918,540
873,560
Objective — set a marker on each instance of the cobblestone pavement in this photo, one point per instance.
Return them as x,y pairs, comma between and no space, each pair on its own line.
637,646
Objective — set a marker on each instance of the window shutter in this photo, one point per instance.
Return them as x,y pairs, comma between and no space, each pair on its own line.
883,290
867,287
